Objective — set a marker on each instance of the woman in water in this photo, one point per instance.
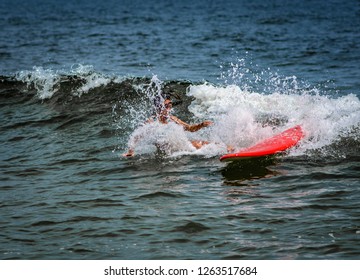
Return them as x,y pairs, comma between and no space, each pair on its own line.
163,107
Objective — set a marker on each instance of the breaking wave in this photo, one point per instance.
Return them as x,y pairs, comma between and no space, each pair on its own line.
245,106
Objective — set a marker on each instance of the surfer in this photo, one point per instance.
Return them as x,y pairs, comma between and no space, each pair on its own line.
163,107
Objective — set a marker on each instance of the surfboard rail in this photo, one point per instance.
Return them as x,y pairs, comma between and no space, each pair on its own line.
270,146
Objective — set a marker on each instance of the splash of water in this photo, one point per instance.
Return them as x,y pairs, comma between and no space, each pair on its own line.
152,138
243,116
45,81
92,78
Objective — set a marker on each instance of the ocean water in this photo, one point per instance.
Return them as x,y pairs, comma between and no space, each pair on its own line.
77,80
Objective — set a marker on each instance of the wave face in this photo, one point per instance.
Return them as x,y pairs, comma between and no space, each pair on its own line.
241,115
77,83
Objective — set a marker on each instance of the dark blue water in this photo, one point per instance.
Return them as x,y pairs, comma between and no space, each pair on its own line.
76,79
183,39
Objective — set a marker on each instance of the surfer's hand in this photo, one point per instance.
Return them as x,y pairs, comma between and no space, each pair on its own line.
130,153
230,149
206,123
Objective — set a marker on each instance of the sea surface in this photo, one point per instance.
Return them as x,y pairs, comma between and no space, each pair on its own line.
77,80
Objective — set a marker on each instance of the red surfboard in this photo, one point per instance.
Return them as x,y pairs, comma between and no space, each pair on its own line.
270,146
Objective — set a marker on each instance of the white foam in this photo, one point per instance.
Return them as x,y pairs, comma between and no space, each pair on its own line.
236,114
151,137
242,117
93,79
45,81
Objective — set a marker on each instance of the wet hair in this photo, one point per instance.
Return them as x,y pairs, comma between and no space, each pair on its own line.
161,97
159,101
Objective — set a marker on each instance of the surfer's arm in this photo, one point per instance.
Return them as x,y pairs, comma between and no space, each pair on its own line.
191,127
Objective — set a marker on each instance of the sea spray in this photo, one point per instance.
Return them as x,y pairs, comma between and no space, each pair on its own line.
92,79
138,110
242,117
45,81
158,139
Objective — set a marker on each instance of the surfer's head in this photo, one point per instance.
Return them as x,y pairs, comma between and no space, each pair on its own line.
167,104
162,102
